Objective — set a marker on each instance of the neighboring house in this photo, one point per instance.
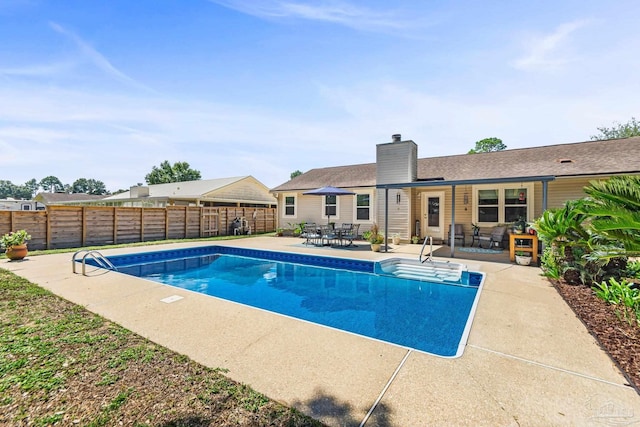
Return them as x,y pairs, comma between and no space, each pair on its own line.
48,199
243,191
410,196
20,205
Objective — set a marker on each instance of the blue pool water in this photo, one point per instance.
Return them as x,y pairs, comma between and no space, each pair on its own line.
336,292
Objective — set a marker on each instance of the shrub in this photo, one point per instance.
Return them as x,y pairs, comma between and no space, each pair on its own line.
622,294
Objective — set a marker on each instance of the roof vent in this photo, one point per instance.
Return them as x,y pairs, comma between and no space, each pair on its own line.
565,161
396,137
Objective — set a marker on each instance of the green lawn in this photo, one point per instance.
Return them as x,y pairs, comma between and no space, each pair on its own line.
61,364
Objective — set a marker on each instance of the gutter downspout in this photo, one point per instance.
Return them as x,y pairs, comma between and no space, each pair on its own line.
386,219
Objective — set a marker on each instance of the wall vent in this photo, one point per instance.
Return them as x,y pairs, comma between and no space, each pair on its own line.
565,161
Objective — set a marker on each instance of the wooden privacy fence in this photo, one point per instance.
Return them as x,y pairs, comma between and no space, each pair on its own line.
60,227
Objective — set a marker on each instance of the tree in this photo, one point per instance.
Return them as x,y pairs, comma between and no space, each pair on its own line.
32,186
51,184
488,145
89,186
18,192
22,192
295,173
166,173
627,130
7,189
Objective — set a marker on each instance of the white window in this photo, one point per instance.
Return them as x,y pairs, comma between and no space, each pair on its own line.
363,207
289,206
330,207
500,204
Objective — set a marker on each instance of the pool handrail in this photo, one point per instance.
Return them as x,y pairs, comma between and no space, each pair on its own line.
429,256
100,259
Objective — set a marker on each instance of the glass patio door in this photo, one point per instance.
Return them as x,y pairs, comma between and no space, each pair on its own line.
432,222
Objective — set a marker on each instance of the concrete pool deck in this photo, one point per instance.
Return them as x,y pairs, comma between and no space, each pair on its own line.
528,361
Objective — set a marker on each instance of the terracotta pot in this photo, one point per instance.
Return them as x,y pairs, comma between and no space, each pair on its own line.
375,247
16,252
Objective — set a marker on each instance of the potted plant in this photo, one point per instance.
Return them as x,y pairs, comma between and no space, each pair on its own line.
396,239
374,237
15,244
415,240
519,226
523,258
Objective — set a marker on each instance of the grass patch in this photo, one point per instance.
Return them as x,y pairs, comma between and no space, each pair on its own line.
61,364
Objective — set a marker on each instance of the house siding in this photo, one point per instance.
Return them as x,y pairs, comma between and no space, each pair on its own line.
399,213
561,190
397,162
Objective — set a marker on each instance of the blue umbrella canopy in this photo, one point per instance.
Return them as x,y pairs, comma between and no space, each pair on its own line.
329,191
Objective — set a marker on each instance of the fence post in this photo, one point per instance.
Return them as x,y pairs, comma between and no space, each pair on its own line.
83,232
141,224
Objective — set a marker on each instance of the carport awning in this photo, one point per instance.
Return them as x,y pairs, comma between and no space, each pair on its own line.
440,183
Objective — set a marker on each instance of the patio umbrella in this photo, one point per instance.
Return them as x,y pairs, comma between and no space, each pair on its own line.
329,191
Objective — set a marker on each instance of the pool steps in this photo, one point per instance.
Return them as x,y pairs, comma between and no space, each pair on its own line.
432,271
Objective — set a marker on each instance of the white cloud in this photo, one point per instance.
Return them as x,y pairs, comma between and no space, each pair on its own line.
550,51
39,70
97,58
341,13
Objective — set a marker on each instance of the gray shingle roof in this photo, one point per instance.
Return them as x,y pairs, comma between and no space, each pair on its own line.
581,158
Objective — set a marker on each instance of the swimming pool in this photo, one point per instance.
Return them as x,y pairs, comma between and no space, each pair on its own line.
347,294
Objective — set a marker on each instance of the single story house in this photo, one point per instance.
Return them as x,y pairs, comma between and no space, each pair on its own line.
241,191
48,199
20,205
407,196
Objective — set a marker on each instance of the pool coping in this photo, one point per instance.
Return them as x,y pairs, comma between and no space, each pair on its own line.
528,359
121,263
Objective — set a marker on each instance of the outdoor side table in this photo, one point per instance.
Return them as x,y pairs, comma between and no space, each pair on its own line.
532,247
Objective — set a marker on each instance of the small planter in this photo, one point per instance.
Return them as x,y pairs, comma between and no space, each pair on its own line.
15,244
375,247
17,252
523,260
395,240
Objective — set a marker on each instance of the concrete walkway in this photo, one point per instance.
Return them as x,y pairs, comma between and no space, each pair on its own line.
528,362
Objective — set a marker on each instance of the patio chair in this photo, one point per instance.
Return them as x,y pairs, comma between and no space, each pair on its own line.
328,234
312,234
348,233
458,233
494,239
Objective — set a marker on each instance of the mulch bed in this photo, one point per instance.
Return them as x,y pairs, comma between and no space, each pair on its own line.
619,338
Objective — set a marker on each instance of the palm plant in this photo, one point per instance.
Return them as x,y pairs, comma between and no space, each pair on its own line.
564,230
614,208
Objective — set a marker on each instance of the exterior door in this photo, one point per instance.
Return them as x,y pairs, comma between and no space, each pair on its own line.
432,223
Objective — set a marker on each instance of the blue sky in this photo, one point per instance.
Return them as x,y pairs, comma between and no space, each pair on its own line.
109,89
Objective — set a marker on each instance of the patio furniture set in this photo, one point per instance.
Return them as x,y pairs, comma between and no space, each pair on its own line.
329,235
